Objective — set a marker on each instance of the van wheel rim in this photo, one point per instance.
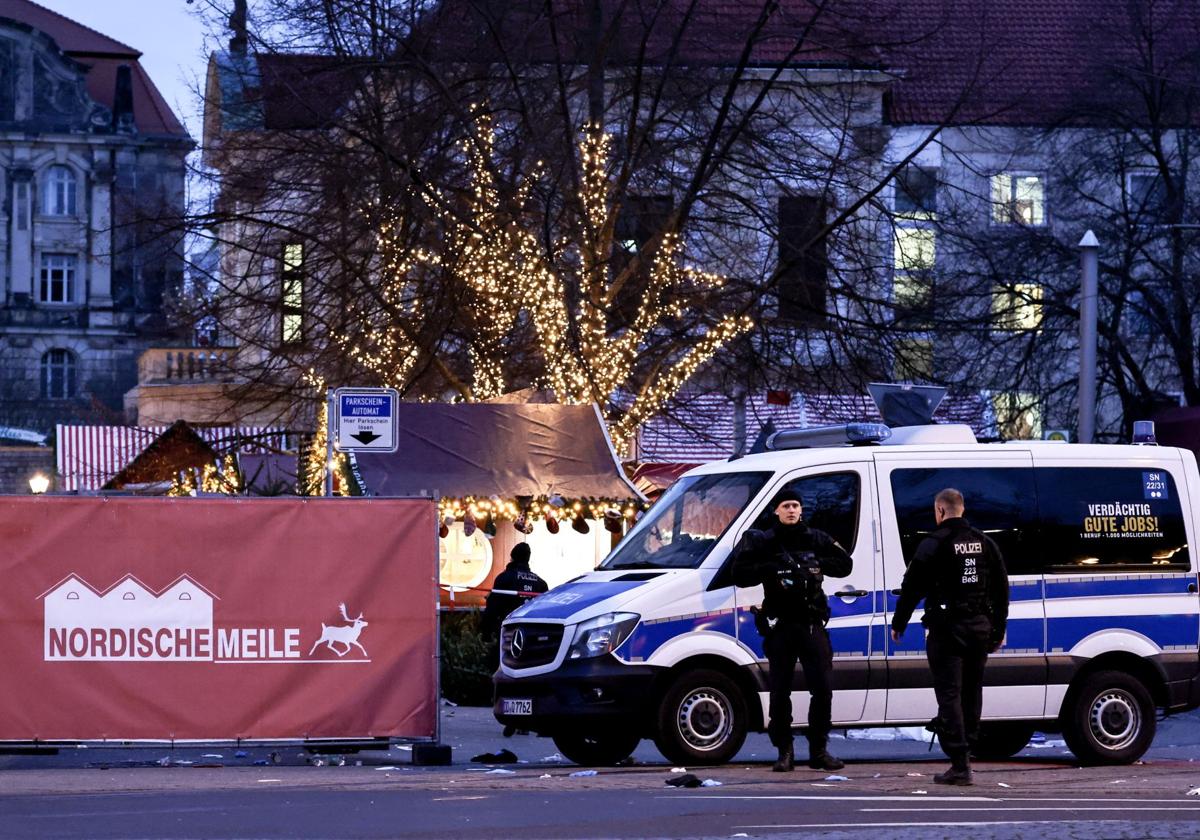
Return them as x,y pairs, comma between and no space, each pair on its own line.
705,719
1115,719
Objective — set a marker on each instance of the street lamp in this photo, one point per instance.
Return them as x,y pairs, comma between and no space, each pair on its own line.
38,484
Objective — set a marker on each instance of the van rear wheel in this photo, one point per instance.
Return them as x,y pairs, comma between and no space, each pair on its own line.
702,719
1109,719
597,749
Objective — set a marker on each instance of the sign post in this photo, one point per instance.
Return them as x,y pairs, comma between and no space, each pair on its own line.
364,420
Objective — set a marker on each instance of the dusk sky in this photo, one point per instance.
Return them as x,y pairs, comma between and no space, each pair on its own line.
166,32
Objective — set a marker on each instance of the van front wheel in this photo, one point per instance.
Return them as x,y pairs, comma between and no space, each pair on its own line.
1110,719
702,719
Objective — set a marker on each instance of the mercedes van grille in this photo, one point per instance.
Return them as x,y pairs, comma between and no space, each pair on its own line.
530,645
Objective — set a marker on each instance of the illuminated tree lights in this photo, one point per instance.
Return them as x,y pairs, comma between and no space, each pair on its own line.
514,279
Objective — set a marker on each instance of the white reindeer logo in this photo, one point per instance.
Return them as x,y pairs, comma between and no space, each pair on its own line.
346,635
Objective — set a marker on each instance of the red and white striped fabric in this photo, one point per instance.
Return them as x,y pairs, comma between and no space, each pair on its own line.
89,456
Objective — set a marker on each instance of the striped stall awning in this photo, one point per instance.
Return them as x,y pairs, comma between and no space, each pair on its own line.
89,456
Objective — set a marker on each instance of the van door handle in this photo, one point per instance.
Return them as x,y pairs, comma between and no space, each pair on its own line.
1191,587
851,593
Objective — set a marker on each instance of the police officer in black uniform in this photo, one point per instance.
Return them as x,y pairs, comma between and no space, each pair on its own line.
960,573
512,587
789,560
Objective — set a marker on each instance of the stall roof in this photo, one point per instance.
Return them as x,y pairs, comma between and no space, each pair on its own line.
478,449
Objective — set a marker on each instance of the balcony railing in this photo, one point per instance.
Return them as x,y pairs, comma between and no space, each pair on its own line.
184,364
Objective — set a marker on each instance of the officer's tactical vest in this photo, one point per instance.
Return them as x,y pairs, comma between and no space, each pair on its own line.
960,574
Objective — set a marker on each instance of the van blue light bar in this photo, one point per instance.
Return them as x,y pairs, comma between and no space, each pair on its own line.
853,433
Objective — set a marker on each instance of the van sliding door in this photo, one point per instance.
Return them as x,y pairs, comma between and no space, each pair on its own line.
1000,496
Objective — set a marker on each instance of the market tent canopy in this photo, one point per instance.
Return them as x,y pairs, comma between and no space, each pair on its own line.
507,450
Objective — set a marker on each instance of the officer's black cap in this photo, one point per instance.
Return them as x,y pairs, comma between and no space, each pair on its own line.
785,495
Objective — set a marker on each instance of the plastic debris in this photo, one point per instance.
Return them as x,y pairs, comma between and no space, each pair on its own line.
1194,792
678,769
240,754
318,762
889,733
544,776
261,781
262,762
740,834
501,757
836,778
1117,782
500,771
212,755
920,791
687,780
877,775
1002,784
165,761
914,774
710,783
386,767
446,702
555,757
579,773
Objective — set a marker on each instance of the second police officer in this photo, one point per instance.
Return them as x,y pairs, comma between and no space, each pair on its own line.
960,573
789,560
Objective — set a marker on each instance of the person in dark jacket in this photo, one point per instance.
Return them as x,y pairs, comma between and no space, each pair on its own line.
790,560
960,573
512,588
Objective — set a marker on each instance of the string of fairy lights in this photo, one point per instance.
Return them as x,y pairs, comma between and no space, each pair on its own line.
484,512
508,270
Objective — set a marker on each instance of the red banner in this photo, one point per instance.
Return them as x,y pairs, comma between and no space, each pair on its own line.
213,619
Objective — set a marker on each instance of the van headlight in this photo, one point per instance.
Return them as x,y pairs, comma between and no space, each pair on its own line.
602,634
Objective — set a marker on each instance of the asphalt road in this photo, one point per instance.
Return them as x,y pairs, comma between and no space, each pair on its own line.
888,790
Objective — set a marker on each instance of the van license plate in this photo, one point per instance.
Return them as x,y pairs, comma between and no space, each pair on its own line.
516,707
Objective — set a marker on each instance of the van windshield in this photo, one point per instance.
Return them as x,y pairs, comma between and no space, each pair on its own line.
683,526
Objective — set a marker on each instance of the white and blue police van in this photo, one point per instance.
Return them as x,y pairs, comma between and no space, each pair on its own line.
658,643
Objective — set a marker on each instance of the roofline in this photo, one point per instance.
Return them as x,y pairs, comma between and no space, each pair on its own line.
82,26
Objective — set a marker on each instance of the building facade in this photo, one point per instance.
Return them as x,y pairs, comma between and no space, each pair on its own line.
92,170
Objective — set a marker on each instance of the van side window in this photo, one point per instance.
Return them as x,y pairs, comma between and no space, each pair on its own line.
1000,501
830,504
1103,519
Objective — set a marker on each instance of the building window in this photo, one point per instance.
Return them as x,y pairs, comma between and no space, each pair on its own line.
1018,415
292,287
1147,195
57,279
1018,199
915,195
914,252
641,219
1017,308
58,374
58,193
913,360
803,259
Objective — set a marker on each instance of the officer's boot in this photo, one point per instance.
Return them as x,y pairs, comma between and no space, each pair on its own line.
959,772
786,761
819,757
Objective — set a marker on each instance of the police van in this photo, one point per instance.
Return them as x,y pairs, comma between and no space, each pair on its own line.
658,643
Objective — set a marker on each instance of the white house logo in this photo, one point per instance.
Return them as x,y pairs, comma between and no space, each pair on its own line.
133,623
